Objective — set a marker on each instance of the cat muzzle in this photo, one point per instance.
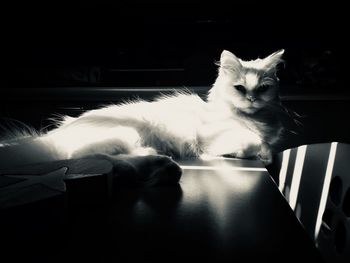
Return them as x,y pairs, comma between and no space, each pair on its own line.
251,98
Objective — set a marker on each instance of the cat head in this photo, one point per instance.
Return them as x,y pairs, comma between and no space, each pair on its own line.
247,85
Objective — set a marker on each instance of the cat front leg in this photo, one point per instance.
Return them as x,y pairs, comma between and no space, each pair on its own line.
243,144
239,145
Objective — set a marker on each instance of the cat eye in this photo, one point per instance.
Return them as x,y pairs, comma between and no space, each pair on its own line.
240,88
263,88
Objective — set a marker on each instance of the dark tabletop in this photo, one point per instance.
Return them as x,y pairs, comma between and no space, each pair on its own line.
222,210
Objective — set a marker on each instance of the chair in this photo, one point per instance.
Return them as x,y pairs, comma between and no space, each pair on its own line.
315,180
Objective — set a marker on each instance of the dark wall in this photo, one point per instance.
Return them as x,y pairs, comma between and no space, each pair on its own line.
63,44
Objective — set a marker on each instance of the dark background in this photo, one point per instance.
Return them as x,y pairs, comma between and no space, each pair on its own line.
66,58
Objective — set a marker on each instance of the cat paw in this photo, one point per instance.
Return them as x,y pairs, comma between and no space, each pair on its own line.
265,154
167,174
156,170
149,170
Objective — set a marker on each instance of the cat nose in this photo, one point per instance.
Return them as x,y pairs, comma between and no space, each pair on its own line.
251,98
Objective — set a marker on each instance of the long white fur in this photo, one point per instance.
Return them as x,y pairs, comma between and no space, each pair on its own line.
182,125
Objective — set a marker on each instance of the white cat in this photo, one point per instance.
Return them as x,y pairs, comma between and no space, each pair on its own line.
237,119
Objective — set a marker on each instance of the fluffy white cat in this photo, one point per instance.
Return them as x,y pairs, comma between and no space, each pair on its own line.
239,118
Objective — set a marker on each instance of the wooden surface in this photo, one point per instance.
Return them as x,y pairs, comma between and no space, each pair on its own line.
222,211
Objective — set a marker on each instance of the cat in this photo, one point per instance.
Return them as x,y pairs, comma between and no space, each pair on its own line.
240,118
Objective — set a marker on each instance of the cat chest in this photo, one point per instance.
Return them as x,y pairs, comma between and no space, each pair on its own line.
269,133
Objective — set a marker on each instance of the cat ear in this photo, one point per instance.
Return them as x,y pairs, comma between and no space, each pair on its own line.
271,62
228,61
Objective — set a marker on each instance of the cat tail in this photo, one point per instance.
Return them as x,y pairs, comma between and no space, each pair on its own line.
21,144
13,130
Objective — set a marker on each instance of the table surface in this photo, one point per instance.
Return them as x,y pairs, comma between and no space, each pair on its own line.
222,210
